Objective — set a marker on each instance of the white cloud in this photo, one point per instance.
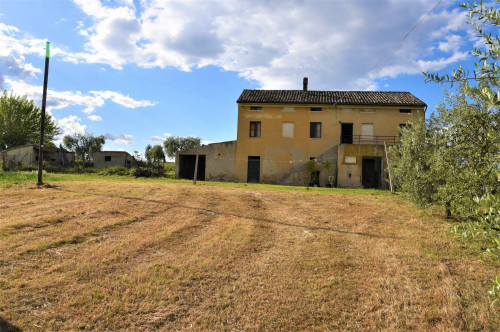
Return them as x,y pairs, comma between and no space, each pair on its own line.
71,125
122,100
334,43
61,99
94,118
156,138
122,139
452,43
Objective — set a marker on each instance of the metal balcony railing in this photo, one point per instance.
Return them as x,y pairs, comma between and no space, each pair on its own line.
369,139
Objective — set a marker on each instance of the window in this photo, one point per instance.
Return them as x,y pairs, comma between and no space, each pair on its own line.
288,109
254,128
255,108
107,158
405,111
367,110
316,109
287,129
315,130
367,131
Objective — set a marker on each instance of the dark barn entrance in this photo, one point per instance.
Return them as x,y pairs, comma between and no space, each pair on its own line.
371,171
186,166
253,173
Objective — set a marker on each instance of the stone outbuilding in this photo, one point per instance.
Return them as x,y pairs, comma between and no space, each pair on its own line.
104,159
27,155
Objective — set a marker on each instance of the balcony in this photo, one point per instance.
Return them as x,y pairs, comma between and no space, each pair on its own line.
369,139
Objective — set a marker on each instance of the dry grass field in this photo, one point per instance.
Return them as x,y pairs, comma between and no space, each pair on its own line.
151,256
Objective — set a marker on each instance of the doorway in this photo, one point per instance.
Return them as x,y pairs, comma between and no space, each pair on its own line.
346,133
186,166
253,173
370,172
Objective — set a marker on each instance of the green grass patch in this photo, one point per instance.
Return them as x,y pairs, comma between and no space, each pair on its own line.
13,178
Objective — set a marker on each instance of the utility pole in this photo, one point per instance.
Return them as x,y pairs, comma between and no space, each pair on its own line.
42,122
196,165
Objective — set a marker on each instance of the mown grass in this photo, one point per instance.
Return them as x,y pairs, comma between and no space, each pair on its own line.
10,178
142,254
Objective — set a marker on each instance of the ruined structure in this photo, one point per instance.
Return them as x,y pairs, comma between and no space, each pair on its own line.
27,155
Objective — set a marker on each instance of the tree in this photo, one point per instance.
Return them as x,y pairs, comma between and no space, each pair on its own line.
176,143
84,144
147,154
454,159
411,163
20,122
157,154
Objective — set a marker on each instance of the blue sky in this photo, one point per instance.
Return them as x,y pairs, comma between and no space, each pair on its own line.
137,71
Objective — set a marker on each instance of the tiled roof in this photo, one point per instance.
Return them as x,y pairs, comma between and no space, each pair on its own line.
374,98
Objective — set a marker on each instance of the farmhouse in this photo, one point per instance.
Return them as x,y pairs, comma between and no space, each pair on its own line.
103,159
345,133
28,155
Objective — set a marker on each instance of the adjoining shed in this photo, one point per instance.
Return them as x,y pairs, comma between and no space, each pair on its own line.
216,162
27,155
104,159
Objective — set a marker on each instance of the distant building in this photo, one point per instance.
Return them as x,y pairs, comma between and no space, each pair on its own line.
279,131
103,159
28,155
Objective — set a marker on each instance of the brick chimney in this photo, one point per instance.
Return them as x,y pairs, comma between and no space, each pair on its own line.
304,84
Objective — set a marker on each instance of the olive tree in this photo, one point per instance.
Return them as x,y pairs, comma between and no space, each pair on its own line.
177,143
84,144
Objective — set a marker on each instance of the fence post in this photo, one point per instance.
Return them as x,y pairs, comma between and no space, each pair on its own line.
388,168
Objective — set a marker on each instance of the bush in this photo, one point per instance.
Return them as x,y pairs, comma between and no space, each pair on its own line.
84,163
122,171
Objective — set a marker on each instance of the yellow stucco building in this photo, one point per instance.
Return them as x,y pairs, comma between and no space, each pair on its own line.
280,131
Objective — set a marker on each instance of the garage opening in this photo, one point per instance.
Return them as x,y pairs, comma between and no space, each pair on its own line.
186,166
371,173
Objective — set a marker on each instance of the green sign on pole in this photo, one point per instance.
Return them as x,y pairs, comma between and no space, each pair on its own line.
47,50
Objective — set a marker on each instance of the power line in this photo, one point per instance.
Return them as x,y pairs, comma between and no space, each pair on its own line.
176,87
383,61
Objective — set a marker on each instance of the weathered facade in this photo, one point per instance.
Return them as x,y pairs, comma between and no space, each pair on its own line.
104,159
279,131
28,155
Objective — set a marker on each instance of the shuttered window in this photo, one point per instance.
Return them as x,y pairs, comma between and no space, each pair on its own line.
254,128
315,130
287,129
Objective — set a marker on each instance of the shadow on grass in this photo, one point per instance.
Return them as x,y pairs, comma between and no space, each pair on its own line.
257,219
5,326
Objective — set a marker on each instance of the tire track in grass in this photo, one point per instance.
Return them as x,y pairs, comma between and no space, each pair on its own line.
80,238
